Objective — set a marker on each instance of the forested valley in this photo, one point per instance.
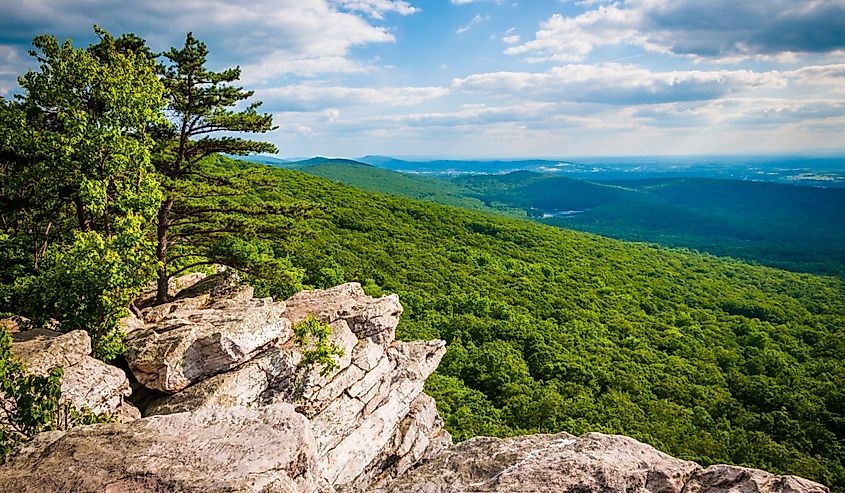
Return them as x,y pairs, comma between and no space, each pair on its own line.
548,329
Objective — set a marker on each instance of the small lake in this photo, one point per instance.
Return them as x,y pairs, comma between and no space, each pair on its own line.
570,213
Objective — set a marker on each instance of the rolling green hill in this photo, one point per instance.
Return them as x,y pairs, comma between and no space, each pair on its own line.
551,329
373,179
790,227
785,226
543,192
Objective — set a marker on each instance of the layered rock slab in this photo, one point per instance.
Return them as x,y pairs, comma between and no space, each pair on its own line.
374,318
191,344
86,382
418,438
353,431
592,463
266,450
260,381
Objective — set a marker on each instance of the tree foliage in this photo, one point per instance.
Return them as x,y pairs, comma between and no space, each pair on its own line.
77,185
89,282
315,337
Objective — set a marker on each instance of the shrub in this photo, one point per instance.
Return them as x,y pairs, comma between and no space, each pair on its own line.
314,336
30,404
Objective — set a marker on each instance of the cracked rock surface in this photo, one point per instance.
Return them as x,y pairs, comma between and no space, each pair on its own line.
86,381
591,463
214,328
268,450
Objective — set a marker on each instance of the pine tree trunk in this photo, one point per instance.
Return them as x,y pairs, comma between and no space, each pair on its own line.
161,249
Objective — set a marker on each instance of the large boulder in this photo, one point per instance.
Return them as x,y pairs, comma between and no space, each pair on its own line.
368,317
213,328
592,463
266,450
86,381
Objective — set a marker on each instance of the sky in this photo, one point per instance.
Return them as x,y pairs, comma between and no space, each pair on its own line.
498,78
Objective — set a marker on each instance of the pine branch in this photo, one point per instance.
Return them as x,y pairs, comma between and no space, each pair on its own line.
191,266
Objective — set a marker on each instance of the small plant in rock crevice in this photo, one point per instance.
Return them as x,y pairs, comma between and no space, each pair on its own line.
315,338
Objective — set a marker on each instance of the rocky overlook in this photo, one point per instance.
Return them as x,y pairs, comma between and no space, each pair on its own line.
227,406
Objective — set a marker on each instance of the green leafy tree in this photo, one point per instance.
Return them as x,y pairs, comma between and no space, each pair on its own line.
202,209
90,282
77,184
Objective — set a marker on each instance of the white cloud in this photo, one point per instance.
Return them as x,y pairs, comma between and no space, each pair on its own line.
312,97
474,21
618,84
571,39
510,40
748,113
12,63
266,37
713,29
377,8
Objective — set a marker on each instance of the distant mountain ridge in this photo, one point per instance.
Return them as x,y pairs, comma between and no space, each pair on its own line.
822,171
798,228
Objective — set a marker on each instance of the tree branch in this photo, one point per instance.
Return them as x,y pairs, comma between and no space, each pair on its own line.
191,266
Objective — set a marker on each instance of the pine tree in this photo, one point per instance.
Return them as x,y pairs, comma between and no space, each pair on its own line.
202,219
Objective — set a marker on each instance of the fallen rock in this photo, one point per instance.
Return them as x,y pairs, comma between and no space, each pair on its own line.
592,463
368,317
192,344
266,450
86,381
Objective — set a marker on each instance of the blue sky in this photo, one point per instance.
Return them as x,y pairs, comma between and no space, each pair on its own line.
498,79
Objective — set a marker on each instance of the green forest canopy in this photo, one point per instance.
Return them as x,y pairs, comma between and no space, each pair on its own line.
798,228
553,330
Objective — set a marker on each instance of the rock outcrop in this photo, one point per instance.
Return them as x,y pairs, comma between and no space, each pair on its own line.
222,372
369,318
369,417
86,381
229,406
268,449
199,336
592,463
